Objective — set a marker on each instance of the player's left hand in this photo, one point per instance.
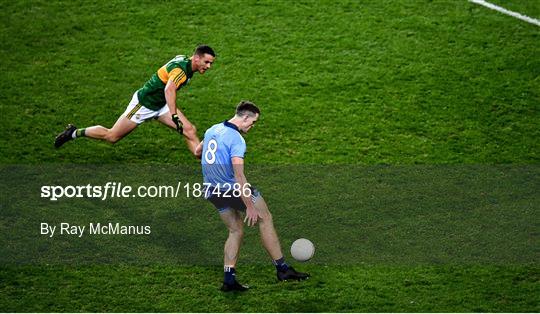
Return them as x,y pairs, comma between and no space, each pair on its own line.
176,121
251,216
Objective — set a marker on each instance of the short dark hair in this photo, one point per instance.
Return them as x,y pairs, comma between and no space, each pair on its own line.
247,107
202,49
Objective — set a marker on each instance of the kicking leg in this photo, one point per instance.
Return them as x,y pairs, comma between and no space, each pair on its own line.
269,235
270,242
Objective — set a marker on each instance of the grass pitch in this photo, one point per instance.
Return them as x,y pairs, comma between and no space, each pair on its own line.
371,83
338,82
332,289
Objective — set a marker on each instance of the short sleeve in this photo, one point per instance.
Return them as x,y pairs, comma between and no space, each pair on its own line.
238,147
178,76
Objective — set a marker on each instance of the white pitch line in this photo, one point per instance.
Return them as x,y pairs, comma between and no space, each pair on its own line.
507,12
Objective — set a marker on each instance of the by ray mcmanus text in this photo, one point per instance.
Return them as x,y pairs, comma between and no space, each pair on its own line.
92,228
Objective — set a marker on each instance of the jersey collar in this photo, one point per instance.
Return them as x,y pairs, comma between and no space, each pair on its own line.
230,125
189,69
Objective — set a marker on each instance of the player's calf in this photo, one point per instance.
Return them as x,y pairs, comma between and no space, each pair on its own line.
112,137
190,132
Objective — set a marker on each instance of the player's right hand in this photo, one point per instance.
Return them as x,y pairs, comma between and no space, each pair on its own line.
176,121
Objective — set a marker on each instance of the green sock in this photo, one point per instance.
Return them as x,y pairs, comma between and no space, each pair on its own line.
80,132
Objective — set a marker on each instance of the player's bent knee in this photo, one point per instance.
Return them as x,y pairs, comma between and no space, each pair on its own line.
236,232
266,216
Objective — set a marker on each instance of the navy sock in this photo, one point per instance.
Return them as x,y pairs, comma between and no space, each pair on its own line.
280,264
230,274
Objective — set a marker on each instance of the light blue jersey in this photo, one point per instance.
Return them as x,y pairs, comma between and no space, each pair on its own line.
221,142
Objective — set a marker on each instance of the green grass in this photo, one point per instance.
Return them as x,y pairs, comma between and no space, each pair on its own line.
348,82
333,289
412,106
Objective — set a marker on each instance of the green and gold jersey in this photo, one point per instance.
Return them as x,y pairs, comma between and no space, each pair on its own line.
152,94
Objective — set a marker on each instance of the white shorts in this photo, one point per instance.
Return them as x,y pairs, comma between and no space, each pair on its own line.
139,113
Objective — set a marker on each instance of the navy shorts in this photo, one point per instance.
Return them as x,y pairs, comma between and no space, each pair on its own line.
224,203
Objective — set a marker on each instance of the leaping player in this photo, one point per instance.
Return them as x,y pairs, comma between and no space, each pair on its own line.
155,100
